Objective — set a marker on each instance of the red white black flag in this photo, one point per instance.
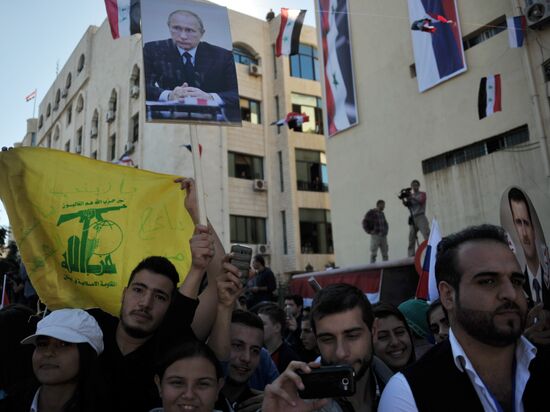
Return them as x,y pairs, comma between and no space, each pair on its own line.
489,98
288,40
124,17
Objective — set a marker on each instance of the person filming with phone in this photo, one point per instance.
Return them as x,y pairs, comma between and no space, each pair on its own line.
264,283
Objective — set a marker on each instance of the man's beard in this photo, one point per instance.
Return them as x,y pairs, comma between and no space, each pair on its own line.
481,325
135,333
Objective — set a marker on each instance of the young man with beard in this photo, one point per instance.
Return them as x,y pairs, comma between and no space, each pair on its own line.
154,313
342,320
485,364
247,336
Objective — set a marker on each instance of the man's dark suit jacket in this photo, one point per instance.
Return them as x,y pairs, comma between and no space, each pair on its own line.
544,292
214,72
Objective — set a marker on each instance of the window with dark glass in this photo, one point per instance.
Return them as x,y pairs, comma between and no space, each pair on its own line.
69,114
316,231
245,166
247,229
112,147
283,228
243,56
305,64
311,106
250,111
484,33
68,146
135,128
311,170
281,175
79,140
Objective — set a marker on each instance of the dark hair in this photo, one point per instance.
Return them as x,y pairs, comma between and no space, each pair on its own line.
380,201
415,181
297,299
184,350
446,265
247,318
275,314
433,306
383,310
260,259
340,297
517,195
159,265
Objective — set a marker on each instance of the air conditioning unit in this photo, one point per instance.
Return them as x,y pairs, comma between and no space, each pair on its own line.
110,116
78,149
93,132
64,93
254,69
129,147
134,91
263,249
537,12
259,185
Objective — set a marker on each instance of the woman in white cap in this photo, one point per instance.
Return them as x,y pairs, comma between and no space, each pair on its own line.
67,343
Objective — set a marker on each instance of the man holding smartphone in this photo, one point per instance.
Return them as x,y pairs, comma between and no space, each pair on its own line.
341,318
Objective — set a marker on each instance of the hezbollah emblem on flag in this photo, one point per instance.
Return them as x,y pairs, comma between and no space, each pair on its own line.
82,225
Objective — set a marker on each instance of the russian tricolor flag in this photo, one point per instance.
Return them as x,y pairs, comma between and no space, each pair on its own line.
427,286
438,56
124,17
516,30
489,99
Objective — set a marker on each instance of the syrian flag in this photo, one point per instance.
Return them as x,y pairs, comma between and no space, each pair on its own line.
124,17
125,160
489,98
288,40
190,148
31,96
292,119
516,30
5,301
427,287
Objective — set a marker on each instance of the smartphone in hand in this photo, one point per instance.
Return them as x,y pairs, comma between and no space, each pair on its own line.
241,257
328,382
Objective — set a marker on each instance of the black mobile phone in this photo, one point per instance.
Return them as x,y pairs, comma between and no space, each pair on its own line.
241,257
328,382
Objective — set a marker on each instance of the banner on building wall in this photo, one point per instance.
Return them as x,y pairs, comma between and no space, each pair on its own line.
438,52
189,70
339,81
82,225
526,237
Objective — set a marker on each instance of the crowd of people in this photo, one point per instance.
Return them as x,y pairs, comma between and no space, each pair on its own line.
222,345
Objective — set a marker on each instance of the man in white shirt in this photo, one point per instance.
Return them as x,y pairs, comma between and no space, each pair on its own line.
486,364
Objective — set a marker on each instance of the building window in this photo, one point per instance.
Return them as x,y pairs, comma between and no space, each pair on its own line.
305,64
94,154
274,50
49,140
250,111
134,78
49,110
40,121
80,65
245,166
283,228
57,99
310,105
316,231
68,146
56,133
311,170
112,147
113,102
69,114
33,139
79,141
484,33
247,229
135,128
478,149
79,103
68,82
277,113
281,175
243,56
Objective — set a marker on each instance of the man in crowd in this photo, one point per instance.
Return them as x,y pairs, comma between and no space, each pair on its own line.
342,321
486,362
184,66
309,342
376,226
416,203
264,283
536,284
293,310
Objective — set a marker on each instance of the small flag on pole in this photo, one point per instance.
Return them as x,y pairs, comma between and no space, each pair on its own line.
125,160
31,96
427,286
516,30
489,97
288,40
124,17
292,119
190,148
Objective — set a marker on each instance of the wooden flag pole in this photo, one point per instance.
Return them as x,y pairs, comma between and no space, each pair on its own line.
197,167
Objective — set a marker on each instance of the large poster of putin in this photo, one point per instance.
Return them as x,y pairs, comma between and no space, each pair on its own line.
188,63
519,218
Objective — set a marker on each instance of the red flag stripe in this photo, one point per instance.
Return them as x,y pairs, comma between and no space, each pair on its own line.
112,15
279,43
498,103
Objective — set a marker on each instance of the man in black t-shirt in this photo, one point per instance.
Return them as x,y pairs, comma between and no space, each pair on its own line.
264,283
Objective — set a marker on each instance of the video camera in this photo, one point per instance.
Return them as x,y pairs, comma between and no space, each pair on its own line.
404,193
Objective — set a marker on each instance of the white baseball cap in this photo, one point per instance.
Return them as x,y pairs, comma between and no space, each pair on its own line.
69,325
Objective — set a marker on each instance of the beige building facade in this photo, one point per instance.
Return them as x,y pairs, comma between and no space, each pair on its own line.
266,186
463,163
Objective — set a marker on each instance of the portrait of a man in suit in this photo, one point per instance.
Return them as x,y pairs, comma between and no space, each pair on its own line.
536,284
186,66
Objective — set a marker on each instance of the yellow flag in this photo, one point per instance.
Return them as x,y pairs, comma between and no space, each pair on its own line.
82,225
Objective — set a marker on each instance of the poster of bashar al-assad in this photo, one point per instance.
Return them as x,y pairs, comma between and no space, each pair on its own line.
188,63
519,218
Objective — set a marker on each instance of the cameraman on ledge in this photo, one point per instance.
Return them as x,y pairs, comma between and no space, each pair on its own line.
415,201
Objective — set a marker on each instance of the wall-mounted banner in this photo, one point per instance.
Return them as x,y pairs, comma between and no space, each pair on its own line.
437,41
340,99
188,63
82,225
520,220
